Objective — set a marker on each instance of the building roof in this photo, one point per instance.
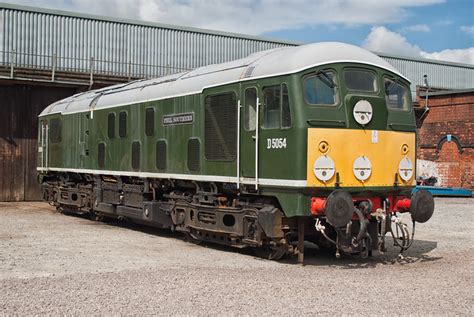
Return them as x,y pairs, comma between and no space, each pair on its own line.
424,60
447,92
270,63
141,23
202,31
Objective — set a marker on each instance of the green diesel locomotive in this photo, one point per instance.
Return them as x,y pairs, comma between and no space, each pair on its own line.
315,142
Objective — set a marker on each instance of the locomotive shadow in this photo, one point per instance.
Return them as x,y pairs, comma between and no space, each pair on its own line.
419,252
314,256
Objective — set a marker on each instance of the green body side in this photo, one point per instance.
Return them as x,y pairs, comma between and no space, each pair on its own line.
79,149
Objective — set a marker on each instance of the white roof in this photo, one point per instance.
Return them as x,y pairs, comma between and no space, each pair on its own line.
279,61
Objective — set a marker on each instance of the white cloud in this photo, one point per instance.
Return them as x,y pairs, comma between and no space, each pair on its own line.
468,29
380,39
246,16
417,28
453,55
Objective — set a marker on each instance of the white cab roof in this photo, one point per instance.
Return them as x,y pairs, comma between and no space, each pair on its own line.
279,61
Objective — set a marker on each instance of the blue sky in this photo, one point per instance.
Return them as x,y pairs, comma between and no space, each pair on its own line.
437,29
443,23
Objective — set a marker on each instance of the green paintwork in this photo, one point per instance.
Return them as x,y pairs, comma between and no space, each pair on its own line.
81,135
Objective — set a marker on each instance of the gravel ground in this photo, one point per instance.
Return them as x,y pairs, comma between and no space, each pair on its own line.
55,264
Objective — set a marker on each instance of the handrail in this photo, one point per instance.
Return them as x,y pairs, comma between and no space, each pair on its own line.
56,63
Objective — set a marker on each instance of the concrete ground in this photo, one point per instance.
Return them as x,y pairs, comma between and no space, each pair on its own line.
56,264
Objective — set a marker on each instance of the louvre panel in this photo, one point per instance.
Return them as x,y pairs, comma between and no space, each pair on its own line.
111,125
136,155
220,127
193,154
161,155
101,154
149,121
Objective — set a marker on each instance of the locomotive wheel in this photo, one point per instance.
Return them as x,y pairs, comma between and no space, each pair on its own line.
269,253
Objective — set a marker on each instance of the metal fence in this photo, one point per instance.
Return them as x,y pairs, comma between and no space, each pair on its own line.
53,63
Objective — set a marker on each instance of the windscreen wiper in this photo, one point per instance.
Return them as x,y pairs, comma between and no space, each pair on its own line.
324,77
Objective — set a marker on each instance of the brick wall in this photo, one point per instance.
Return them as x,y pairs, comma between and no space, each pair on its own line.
450,114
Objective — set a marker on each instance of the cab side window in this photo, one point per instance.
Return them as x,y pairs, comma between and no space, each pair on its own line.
321,88
250,109
397,96
276,107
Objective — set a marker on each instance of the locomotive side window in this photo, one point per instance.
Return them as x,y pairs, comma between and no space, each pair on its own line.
396,96
149,121
276,107
271,97
123,124
360,80
111,125
55,130
136,155
101,154
220,127
321,89
250,106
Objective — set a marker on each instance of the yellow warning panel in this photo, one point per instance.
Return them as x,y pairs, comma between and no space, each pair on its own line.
360,158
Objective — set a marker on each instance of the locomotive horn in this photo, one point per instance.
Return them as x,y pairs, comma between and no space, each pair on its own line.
339,208
421,206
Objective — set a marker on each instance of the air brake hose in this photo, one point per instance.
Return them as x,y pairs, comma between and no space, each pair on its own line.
363,225
360,235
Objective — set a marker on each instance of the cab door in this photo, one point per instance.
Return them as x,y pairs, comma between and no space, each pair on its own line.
249,129
43,144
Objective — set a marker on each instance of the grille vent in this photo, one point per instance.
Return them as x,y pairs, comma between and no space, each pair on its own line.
111,125
123,124
101,154
249,71
220,127
161,155
193,154
149,121
136,155
55,130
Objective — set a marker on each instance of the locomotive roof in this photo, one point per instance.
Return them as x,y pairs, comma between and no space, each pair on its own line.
274,62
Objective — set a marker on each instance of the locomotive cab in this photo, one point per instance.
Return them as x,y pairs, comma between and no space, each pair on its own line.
361,166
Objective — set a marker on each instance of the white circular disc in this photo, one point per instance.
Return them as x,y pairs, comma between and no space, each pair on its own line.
324,168
362,168
405,169
362,112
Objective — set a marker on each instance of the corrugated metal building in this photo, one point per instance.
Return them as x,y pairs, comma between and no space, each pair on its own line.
38,37
78,42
